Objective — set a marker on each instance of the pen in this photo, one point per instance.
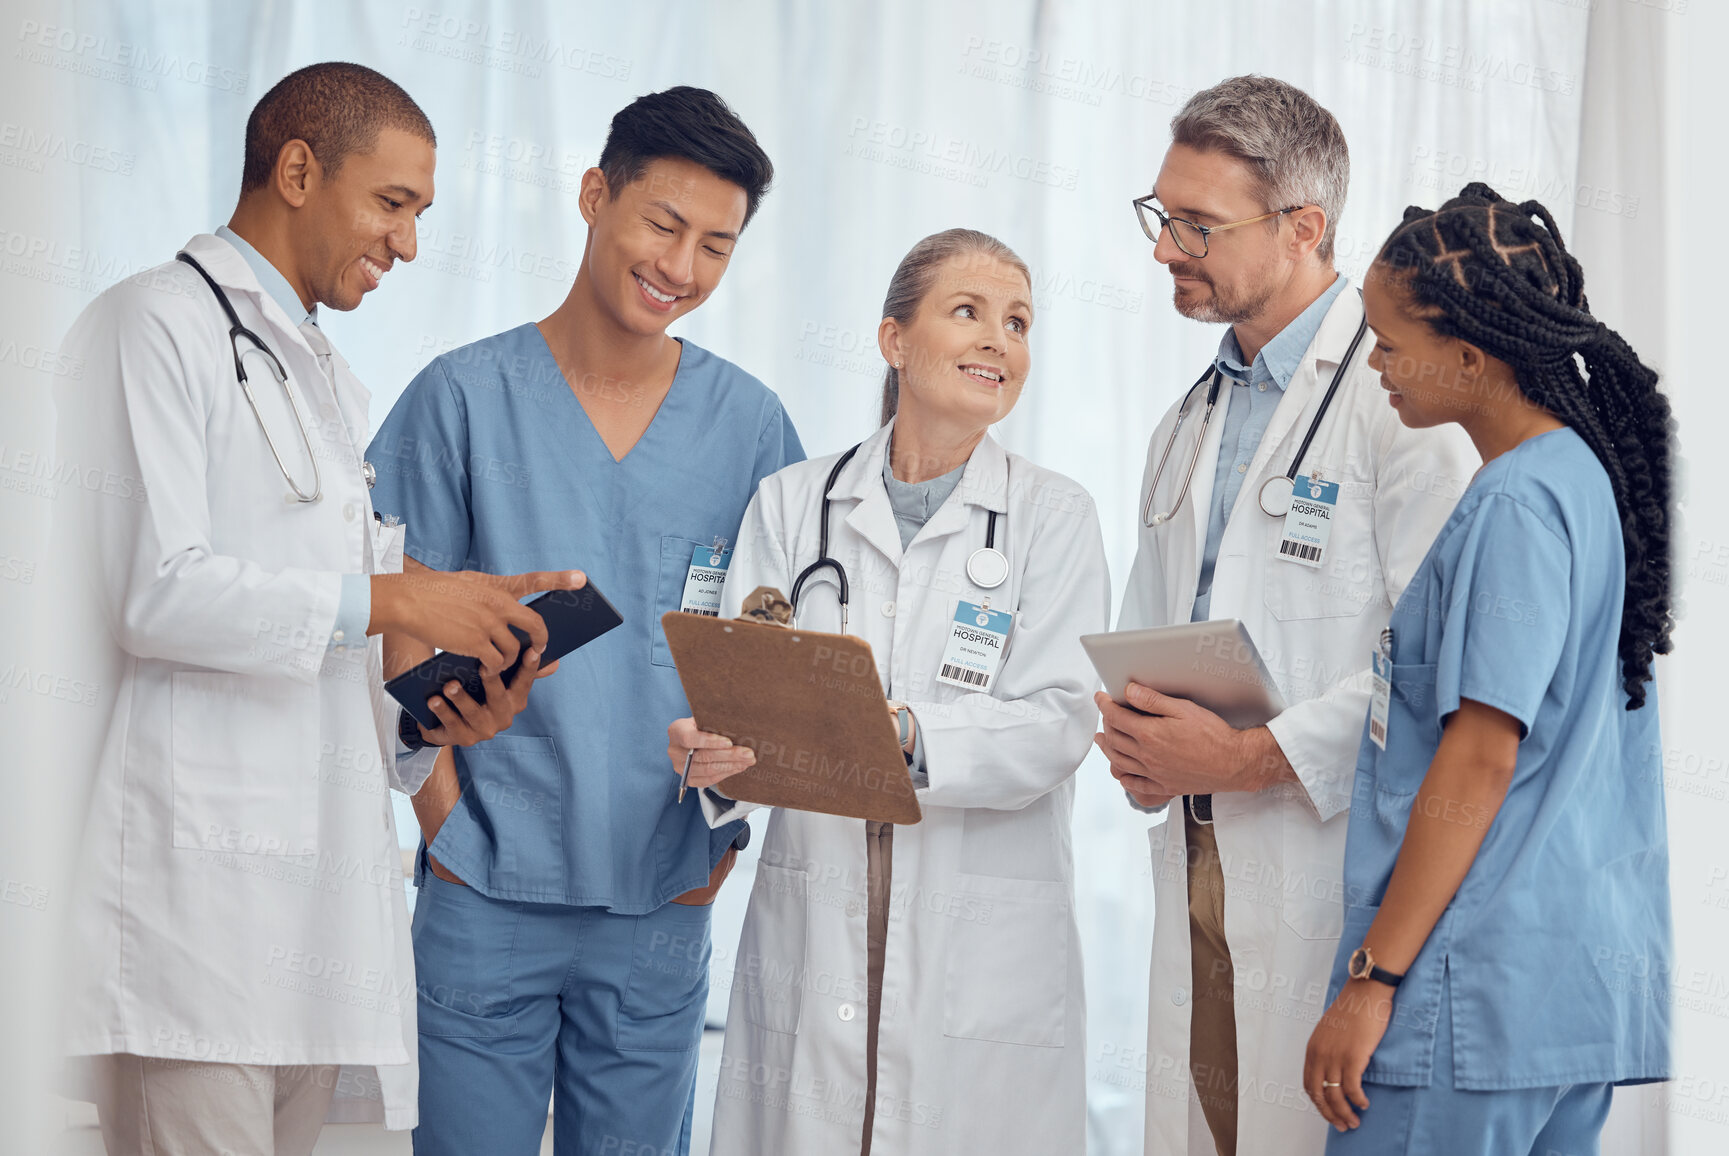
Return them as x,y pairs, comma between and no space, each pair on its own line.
684,779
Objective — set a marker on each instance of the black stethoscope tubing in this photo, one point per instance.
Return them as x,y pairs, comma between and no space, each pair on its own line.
1274,498
236,331
1320,414
825,562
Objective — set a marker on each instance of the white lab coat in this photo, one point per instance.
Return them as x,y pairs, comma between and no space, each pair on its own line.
1282,850
981,1046
240,896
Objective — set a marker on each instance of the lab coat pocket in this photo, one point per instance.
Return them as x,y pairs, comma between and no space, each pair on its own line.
1348,577
1313,871
675,555
769,974
1413,735
1008,962
387,543
516,784
246,773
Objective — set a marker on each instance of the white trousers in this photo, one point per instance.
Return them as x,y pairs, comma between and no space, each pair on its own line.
152,1107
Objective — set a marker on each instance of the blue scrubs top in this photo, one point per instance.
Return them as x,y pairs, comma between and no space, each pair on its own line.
1556,950
493,465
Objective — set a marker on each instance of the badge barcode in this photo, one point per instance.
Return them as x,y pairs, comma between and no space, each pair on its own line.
1378,731
705,613
1298,550
962,674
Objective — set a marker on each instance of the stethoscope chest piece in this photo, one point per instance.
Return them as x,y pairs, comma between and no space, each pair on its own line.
1276,496
987,568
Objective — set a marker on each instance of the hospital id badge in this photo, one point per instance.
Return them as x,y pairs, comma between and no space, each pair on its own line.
1309,521
977,638
1380,697
702,583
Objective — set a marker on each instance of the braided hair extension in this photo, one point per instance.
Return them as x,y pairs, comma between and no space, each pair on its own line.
1495,274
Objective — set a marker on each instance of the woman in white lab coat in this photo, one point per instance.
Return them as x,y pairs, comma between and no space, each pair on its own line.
971,1002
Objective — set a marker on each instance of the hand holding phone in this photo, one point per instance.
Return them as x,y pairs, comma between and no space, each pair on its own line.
573,618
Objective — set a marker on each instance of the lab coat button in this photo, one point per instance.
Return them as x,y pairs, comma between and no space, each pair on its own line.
1180,997
337,635
348,511
888,609
846,1013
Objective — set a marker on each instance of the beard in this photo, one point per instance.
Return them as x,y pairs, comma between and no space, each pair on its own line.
1226,307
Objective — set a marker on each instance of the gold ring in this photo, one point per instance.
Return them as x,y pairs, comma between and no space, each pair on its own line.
1330,1084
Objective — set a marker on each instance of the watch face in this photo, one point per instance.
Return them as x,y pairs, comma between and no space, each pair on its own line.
1359,965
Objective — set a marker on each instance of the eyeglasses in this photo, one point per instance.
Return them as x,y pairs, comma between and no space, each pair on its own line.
1190,237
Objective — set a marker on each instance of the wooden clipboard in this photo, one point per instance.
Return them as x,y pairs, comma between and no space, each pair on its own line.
809,704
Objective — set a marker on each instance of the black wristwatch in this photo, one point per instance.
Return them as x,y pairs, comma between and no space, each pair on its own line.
408,732
1362,966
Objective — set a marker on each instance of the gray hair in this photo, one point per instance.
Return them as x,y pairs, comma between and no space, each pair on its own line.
1293,146
918,271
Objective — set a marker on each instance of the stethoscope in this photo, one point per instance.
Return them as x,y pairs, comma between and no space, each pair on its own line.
1275,496
236,331
987,568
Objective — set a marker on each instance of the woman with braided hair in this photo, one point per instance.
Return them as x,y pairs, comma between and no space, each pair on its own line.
1506,952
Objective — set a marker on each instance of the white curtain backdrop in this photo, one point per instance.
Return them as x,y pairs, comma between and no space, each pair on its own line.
121,136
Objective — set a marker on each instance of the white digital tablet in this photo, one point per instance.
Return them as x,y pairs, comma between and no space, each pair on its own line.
1212,663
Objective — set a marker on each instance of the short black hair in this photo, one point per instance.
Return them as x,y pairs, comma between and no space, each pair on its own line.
336,108
691,124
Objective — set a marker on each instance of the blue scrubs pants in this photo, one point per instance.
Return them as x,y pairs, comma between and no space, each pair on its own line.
1442,1120
520,1003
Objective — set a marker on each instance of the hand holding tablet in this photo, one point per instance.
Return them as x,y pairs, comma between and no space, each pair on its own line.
1214,664
573,618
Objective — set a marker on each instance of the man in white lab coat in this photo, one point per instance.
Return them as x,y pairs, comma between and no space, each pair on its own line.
240,932
1247,859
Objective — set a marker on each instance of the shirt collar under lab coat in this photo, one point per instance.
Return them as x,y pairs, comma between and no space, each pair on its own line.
985,483
270,278
1280,357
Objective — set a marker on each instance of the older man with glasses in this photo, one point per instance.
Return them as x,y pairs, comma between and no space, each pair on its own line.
1247,863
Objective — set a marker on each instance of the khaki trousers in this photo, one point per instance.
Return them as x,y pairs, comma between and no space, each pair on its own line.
152,1107
1213,1013
879,864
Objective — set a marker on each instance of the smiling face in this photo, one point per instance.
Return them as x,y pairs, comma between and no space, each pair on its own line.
1239,274
658,248
1430,379
355,225
963,355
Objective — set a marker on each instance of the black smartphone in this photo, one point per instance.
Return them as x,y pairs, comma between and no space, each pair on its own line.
573,618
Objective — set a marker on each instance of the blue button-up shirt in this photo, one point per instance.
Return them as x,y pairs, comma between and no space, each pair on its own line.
270,278
1250,410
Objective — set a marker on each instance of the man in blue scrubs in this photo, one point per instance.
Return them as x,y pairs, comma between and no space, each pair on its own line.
561,936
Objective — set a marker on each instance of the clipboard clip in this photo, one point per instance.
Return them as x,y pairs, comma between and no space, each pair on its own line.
768,606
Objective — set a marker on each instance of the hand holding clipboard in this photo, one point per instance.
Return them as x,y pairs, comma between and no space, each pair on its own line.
808,705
